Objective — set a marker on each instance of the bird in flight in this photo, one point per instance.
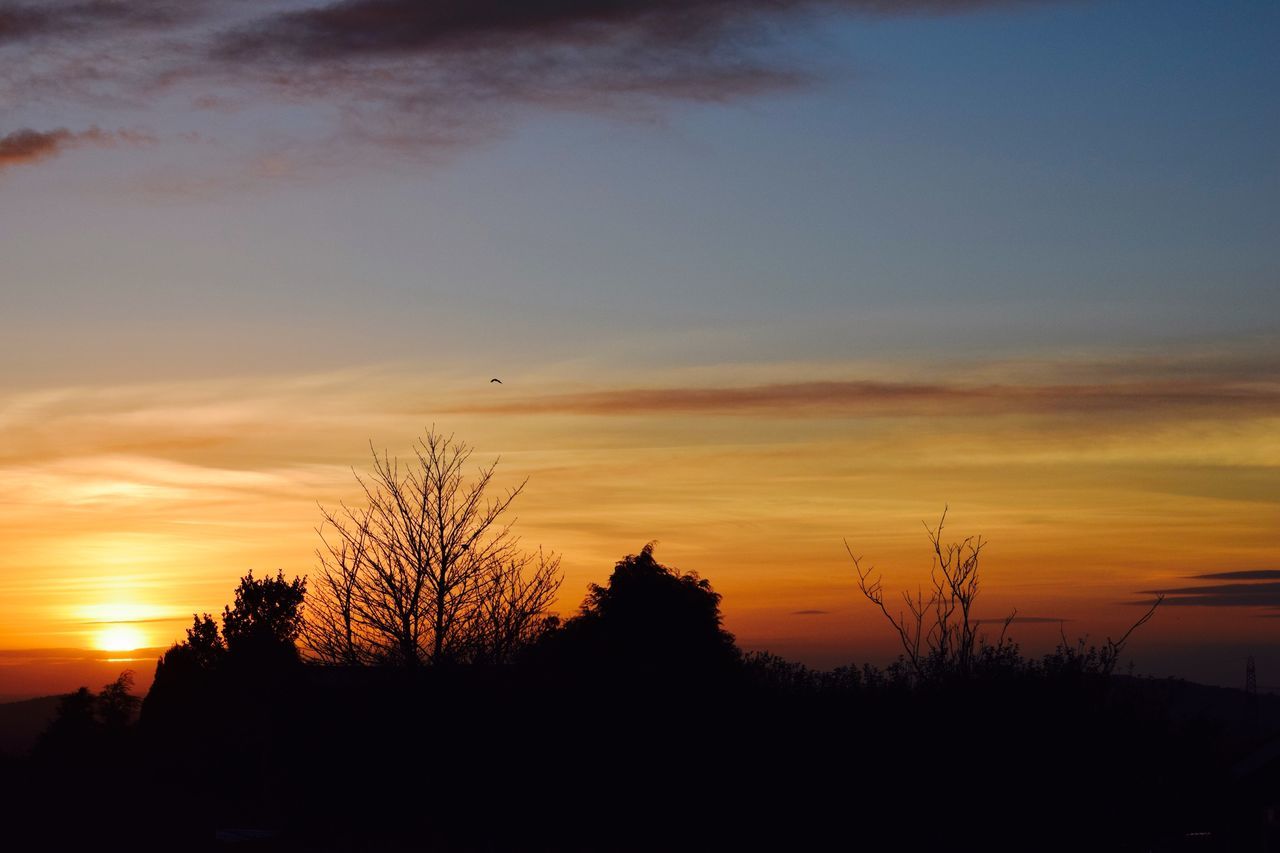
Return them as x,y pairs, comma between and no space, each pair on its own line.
499,381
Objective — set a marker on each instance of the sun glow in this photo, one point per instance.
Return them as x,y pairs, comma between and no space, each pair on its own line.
121,614
120,637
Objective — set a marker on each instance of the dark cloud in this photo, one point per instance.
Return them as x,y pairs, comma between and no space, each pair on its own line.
415,55
19,21
1247,598
1250,575
369,28
27,146
1240,593
810,612
904,398
413,76
1034,620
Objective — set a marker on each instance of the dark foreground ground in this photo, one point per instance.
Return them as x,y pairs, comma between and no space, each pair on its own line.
536,758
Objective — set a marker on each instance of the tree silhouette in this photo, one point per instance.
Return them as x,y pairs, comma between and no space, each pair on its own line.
650,620
266,615
428,571
939,633
87,726
205,641
75,727
116,705
259,633
942,639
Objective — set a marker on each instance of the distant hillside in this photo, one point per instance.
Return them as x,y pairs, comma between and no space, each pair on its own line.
22,722
29,673
1230,707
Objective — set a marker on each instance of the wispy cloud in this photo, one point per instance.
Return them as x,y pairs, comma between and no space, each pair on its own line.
905,398
1034,620
11,657
155,621
23,147
177,447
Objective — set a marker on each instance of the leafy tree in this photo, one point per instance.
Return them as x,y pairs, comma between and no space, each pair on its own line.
650,619
204,642
75,723
258,633
267,612
85,724
116,706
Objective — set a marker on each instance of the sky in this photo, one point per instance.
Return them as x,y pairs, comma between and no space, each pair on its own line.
758,278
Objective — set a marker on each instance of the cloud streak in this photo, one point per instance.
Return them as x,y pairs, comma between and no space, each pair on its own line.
26,21
27,146
1032,620
1249,575
1238,591
868,397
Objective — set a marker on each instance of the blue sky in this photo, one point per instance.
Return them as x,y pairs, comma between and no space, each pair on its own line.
1065,176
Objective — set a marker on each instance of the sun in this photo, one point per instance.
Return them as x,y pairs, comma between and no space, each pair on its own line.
120,637
119,624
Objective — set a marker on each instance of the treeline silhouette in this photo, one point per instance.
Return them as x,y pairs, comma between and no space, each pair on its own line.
635,725
421,698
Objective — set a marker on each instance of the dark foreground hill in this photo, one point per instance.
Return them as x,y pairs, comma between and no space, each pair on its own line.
557,757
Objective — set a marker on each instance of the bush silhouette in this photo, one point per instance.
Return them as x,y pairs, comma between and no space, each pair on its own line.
651,622
259,634
266,619
88,726
75,729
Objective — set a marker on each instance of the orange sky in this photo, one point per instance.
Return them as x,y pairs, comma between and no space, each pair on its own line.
753,287
126,508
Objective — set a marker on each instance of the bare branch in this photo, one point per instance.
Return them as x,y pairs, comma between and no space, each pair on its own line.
428,570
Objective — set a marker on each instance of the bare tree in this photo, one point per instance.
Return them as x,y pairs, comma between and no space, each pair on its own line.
1079,657
428,570
939,633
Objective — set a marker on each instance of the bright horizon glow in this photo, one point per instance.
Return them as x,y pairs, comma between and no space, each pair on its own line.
121,637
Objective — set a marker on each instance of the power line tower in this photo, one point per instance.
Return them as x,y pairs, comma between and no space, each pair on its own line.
1251,693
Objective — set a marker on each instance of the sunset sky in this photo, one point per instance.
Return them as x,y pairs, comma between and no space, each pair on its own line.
757,277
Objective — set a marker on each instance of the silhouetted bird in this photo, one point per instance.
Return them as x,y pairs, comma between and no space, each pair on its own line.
499,381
